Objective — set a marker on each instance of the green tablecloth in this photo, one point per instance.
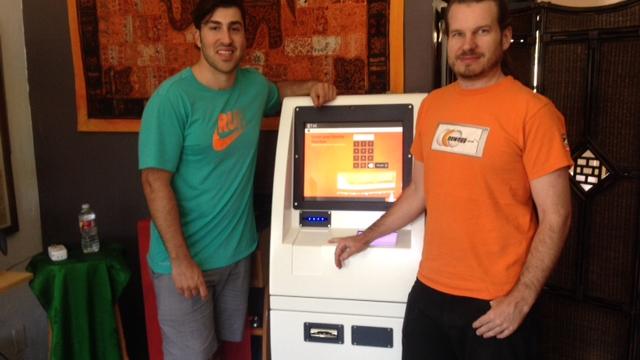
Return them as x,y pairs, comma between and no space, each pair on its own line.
79,295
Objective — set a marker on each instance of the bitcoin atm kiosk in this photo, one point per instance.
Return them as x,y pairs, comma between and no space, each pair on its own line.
337,169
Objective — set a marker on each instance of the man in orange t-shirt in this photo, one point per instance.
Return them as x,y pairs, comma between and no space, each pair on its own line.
490,170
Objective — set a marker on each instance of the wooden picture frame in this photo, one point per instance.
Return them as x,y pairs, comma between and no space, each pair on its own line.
8,211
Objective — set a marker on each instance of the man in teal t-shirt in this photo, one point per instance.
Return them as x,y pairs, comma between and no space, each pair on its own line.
197,154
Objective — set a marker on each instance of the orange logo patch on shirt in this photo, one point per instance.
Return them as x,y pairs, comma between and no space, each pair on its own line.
460,139
230,127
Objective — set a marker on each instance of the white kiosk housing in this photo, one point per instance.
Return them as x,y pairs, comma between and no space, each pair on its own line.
337,169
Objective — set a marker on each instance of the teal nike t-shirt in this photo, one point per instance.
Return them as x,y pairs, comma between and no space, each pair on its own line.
208,139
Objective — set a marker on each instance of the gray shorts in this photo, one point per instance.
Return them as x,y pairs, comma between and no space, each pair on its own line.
191,328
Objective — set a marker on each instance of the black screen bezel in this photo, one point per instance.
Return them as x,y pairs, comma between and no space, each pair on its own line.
370,114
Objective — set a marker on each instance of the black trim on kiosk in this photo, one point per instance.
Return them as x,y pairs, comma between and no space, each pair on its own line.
380,115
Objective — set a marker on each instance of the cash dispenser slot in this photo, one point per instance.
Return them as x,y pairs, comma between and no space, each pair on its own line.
324,333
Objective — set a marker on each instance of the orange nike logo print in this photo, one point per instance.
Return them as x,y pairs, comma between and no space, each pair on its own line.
229,124
220,144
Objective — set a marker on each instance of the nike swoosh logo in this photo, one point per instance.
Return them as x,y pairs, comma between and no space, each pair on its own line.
219,144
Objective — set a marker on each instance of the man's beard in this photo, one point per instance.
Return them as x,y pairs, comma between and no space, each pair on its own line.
469,73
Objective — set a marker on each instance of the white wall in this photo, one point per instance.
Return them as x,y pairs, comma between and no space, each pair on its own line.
28,240
582,3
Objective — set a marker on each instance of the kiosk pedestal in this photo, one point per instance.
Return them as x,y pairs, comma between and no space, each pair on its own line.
337,169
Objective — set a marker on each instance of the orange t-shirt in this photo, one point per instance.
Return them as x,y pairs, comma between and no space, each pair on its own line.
480,149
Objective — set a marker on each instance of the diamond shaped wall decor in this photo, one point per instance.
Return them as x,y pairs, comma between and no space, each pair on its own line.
588,170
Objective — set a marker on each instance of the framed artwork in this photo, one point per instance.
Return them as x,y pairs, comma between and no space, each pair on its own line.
122,50
8,212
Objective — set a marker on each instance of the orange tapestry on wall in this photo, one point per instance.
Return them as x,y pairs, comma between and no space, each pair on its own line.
123,50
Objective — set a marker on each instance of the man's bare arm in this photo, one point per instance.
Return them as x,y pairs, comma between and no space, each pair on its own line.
320,92
409,205
552,197
163,207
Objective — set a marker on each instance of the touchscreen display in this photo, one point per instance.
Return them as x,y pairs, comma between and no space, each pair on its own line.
353,160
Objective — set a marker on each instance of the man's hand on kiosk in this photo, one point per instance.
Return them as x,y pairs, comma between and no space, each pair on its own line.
188,278
321,93
346,247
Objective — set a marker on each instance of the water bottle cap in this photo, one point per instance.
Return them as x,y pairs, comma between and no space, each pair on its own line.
85,206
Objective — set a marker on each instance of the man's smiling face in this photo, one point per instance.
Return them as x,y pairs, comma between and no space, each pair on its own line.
222,40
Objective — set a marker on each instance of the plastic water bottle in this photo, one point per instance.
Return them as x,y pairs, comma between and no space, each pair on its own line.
88,230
